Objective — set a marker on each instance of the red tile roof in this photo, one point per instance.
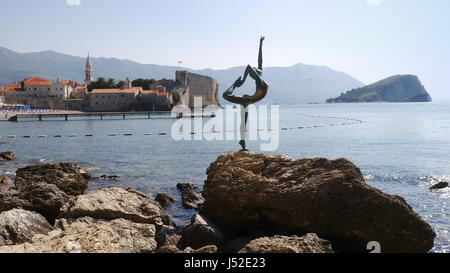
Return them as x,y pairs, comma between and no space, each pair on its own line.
149,92
6,89
163,94
13,85
117,91
37,81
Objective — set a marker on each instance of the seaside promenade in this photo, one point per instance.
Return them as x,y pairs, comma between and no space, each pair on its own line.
68,115
4,116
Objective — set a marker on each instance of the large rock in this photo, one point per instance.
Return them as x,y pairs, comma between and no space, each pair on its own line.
113,203
67,176
309,243
245,191
46,199
44,188
7,156
201,232
87,235
19,226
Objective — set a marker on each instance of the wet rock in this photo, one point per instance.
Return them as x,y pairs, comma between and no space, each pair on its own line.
168,236
68,177
439,186
186,187
111,177
19,226
7,156
201,232
113,203
246,190
87,235
164,200
190,198
309,243
5,180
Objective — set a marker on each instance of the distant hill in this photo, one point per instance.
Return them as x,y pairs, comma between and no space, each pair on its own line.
399,88
296,84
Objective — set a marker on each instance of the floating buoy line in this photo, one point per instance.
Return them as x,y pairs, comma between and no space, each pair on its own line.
347,121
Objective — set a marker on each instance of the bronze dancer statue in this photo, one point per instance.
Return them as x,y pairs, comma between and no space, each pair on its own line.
246,100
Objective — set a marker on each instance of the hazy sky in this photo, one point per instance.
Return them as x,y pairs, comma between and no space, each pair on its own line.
368,39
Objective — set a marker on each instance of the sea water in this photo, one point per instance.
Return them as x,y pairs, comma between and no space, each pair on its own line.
401,148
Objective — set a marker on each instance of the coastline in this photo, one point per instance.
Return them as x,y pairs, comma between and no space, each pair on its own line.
71,213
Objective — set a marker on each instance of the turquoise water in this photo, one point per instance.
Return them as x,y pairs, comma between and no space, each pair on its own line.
401,149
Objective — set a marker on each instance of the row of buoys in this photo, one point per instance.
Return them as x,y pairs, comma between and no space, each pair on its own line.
356,121
74,135
331,117
283,129
317,126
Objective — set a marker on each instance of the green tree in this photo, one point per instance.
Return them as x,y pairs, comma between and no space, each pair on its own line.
144,83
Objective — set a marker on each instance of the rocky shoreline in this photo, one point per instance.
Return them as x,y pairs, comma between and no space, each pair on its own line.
250,203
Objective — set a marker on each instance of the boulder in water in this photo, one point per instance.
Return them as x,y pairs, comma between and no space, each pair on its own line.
7,156
245,191
190,198
5,180
164,200
439,186
67,176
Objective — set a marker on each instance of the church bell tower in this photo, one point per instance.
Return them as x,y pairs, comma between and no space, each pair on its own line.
88,73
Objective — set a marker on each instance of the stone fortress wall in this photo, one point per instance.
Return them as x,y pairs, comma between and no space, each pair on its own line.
38,102
190,85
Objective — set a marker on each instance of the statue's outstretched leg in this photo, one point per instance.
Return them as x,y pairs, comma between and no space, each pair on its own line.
248,71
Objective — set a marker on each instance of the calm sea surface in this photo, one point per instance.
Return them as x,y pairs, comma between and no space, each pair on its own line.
401,149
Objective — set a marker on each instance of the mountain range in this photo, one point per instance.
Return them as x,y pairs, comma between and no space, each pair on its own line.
299,83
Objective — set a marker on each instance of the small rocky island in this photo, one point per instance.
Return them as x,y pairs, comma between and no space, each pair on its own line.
399,88
253,203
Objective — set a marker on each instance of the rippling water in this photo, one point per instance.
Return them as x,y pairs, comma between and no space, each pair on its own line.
401,148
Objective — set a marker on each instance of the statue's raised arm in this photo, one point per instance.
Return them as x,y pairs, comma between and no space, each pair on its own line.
260,57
